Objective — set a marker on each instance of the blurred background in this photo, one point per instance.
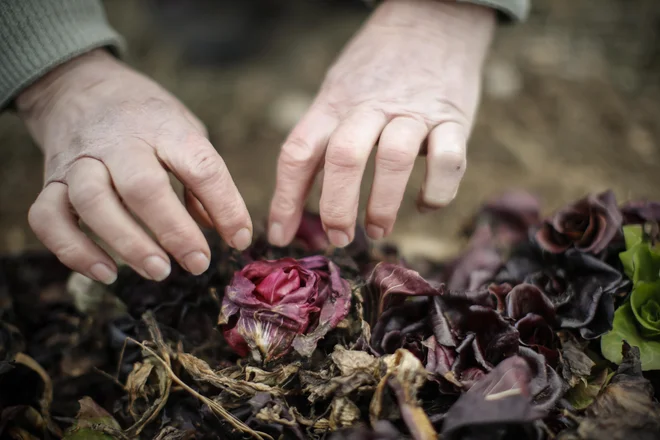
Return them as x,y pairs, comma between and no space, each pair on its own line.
571,102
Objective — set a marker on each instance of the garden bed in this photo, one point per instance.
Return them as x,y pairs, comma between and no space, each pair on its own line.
540,329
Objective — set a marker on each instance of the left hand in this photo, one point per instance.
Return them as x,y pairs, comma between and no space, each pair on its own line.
409,79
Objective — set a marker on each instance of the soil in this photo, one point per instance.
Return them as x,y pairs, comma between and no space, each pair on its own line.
571,104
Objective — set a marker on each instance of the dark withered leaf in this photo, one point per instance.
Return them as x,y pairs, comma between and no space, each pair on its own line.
625,409
11,343
358,371
382,430
351,362
172,433
200,371
575,364
24,419
343,413
404,375
503,397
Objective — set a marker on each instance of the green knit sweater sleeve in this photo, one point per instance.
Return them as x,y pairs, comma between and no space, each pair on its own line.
38,35
508,11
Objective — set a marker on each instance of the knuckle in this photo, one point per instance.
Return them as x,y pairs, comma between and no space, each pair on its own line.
131,247
232,217
453,161
284,205
383,211
296,154
336,216
178,238
395,158
344,155
87,196
204,167
144,184
69,253
451,110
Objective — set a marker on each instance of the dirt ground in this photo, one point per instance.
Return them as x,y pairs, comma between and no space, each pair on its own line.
571,104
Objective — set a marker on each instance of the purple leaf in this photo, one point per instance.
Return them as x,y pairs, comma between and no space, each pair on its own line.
589,225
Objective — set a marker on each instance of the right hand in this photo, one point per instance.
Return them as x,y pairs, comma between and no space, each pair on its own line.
108,135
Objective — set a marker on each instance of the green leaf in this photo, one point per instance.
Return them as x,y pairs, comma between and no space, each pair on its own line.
624,327
93,423
645,303
586,391
641,263
633,236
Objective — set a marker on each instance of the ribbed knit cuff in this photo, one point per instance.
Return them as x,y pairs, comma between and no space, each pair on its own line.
39,35
508,11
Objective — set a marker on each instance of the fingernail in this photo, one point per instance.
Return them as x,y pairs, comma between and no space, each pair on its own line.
196,262
276,234
103,273
338,238
157,268
375,232
242,239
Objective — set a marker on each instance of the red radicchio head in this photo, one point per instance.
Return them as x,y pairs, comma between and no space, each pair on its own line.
272,306
589,225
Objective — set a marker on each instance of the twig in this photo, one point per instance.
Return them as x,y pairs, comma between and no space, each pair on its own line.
217,408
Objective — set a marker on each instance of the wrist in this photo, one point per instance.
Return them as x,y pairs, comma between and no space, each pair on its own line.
60,96
74,75
437,18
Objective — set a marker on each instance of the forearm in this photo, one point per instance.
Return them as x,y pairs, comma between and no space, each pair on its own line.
38,35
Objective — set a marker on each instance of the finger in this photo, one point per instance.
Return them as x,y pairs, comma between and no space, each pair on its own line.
398,147
297,165
445,165
201,169
144,186
93,198
52,221
196,210
345,161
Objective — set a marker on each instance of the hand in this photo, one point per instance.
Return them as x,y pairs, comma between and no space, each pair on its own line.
409,81
108,135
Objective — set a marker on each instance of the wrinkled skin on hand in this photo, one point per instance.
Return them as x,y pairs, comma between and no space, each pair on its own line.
409,82
109,136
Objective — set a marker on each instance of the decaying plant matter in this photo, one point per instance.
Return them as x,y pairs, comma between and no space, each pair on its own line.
543,328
